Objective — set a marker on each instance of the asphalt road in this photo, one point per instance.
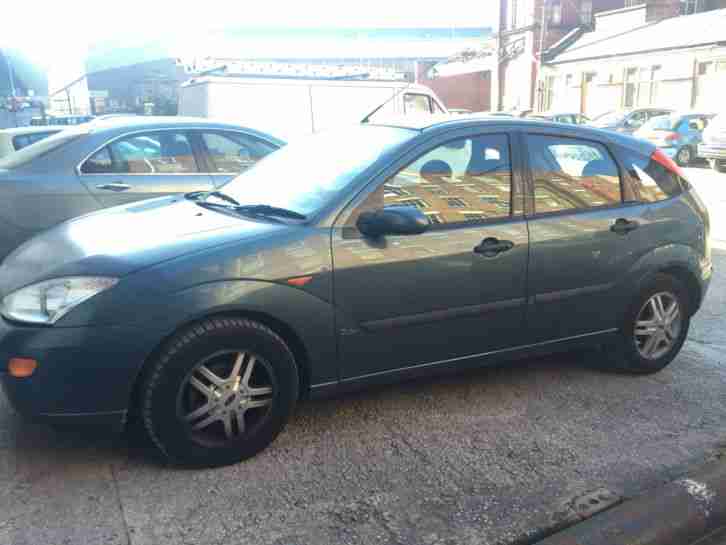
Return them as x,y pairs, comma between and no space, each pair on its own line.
485,457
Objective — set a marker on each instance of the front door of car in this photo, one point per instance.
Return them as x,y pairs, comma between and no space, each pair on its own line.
142,166
579,227
456,290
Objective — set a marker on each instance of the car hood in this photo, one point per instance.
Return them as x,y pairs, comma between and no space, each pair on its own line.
118,241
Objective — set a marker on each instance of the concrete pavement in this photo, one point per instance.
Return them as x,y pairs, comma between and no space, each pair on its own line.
492,456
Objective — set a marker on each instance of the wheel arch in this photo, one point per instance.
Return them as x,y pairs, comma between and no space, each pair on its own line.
286,332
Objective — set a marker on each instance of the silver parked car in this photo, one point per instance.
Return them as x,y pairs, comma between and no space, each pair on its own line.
12,140
116,161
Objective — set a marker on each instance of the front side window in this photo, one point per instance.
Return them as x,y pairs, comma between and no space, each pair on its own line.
571,174
463,181
162,152
414,104
232,153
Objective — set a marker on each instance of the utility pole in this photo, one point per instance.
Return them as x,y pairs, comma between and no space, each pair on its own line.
540,81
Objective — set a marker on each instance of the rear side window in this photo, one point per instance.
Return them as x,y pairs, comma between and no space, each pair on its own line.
572,174
414,103
163,152
24,140
232,153
649,181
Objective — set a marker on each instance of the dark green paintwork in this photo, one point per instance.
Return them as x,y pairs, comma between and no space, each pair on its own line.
374,310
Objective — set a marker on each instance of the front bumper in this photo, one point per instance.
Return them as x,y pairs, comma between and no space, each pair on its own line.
84,374
712,152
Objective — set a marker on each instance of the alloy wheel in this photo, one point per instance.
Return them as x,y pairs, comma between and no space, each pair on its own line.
658,325
226,396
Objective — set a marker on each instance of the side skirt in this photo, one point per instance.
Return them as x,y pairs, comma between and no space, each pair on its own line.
461,363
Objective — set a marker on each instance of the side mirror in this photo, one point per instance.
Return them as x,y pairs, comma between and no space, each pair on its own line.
393,220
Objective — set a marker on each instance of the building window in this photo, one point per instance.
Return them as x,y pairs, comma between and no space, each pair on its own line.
586,12
418,203
455,202
549,93
689,7
394,191
434,217
556,13
631,74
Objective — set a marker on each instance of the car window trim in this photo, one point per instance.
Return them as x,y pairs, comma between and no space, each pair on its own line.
146,130
447,226
532,212
419,151
204,150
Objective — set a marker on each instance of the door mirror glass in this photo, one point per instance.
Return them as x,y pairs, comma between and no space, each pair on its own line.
394,220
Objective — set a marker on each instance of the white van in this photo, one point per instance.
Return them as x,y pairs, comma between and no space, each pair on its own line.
285,107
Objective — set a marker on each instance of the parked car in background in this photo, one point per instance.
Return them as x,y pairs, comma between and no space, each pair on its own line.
677,134
713,147
286,106
116,161
572,118
627,121
353,257
61,120
12,140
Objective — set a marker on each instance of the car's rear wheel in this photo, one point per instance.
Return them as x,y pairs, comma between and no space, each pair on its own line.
654,328
684,157
219,392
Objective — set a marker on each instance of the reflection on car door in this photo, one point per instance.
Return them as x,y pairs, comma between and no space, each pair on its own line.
454,291
142,166
225,154
578,223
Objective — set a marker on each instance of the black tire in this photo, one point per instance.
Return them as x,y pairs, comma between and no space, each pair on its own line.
624,355
166,387
684,157
717,165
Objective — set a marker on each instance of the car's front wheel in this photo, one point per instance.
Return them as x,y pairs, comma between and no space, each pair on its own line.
219,392
654,328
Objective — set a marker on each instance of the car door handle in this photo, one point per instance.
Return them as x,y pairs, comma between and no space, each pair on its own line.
491,246
623,226
114,186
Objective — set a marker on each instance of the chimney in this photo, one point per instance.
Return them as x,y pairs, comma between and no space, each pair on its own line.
657,10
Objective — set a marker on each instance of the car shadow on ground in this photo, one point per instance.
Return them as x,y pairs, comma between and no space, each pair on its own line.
33,441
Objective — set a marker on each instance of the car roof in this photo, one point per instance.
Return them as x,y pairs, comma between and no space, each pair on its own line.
135,123
32,129
433,123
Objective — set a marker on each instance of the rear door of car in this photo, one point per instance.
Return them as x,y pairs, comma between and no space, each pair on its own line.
143,165
580,221
224,154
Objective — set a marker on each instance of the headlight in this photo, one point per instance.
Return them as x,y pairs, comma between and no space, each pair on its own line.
46,302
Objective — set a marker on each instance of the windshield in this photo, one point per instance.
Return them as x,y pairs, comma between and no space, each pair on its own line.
610,118
310,171
25,155
662,123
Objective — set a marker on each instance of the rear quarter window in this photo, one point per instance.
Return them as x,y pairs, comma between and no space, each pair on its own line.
648,180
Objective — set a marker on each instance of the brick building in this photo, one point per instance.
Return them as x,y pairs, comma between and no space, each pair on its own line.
664,53
525,27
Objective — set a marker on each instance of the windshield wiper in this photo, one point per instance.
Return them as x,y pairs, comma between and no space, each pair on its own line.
268,210
204,195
